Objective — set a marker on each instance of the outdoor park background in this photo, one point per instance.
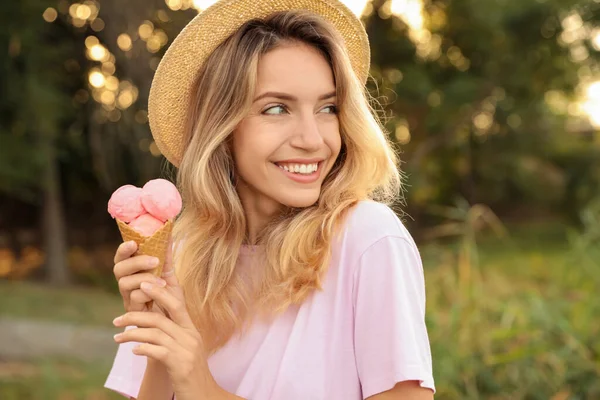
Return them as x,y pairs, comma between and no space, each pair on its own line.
496,106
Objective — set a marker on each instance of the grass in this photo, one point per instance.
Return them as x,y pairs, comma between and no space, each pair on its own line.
54,379
515,318
76,305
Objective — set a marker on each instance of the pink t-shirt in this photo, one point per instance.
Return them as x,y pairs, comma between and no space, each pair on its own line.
359,336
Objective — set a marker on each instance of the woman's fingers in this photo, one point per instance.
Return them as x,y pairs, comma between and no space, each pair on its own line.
125,250
145,335
130,271
148,320
134,265
157,353
132,282
137,301
171,303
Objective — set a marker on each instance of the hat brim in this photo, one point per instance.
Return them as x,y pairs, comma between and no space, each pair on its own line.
172,85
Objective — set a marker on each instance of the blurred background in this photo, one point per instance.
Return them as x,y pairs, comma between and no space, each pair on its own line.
494,103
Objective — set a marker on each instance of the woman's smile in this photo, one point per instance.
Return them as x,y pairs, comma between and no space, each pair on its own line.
301,173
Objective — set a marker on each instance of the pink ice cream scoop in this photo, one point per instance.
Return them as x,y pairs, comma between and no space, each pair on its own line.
161,199
146,225
125,203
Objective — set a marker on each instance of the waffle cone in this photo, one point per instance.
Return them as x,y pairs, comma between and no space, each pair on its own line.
155,245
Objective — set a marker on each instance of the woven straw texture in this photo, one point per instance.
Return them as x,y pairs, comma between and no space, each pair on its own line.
173,81
155,245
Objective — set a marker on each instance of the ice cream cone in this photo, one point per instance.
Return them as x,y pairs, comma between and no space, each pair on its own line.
155,245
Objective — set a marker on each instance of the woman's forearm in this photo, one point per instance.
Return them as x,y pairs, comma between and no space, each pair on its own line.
203,394
204,387
156,384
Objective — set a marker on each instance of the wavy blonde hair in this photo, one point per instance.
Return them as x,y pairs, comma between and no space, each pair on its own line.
297,245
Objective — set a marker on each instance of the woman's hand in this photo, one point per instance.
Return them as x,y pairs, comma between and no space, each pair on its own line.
171,339
130,271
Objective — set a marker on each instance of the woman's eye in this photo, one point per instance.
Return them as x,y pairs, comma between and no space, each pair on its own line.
281,109
333,109
275,110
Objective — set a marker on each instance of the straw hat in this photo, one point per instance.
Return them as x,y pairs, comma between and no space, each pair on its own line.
171,88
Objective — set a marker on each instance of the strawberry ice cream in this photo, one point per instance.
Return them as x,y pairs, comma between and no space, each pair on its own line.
161,199
146,225
144,211
146,216
125,203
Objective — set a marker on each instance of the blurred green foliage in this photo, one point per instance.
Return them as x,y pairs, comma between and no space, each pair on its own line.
513,317
55,379
470,88
496,61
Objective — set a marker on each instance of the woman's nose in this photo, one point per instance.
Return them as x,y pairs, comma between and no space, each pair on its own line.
308,134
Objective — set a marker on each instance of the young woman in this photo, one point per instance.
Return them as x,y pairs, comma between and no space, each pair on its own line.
290,277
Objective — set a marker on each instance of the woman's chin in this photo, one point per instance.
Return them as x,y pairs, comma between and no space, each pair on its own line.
300,200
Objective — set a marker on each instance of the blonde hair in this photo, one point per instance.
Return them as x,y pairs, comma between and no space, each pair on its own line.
297,244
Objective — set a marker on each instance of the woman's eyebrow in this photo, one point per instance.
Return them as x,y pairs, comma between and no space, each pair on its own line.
289,97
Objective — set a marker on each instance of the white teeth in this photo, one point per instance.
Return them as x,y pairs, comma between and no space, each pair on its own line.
300,168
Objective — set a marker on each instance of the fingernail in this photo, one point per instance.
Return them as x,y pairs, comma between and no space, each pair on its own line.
117,320
161,282
146,286
117,336
153,262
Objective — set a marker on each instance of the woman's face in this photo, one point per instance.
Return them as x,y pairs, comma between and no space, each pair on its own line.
293,124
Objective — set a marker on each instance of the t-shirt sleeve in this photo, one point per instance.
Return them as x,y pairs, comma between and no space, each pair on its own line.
128,370
391,340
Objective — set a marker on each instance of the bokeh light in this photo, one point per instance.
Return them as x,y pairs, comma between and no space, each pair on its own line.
124,42
591,105
411,11
82,13
108,68
174,4
97,25
107,97
91,41
98,53
154,150
50,14
483,121
96,79
125,99
106,88
357,6
145,29
202,4
402,132
141,117
514,121
112,83
596,39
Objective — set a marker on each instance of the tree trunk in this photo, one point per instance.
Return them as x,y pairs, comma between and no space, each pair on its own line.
54,231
